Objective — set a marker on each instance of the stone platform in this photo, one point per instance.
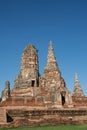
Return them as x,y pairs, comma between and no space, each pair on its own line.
23,117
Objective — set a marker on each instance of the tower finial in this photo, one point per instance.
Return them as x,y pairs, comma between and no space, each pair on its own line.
51,43
76,77
50,49
51,57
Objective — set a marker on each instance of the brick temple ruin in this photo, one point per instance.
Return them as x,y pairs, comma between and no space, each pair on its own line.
41,100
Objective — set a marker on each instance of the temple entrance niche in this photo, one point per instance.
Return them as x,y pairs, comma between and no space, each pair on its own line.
33,83
63,98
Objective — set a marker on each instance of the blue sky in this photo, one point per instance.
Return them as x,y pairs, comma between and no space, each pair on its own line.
37,22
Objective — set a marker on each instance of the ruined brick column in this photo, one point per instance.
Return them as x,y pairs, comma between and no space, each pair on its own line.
29,73
6,91
28,77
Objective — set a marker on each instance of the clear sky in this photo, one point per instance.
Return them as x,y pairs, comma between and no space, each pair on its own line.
37,22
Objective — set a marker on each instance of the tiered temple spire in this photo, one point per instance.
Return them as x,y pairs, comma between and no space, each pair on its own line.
51,56
77,88
51,60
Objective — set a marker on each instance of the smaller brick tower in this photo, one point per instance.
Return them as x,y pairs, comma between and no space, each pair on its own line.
29,73
77,88
26,83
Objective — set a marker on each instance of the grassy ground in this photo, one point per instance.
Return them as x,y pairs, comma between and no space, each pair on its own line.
82,127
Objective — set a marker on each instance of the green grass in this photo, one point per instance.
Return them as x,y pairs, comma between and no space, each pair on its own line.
71,127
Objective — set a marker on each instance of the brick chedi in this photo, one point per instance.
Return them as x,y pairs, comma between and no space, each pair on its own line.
41,99
78,97
78,92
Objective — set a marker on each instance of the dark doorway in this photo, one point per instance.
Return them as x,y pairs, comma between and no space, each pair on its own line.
33,83
9,118
63,99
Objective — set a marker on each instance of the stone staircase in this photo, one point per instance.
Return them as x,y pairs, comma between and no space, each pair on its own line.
2,115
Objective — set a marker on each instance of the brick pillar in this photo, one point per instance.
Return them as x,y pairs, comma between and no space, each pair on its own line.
3,115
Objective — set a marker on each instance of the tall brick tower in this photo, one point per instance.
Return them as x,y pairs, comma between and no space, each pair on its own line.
53,83
29,73
51,72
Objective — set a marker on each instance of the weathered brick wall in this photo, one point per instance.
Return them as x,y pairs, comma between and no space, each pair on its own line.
22,101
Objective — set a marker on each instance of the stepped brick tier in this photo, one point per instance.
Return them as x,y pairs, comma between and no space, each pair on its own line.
41,100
